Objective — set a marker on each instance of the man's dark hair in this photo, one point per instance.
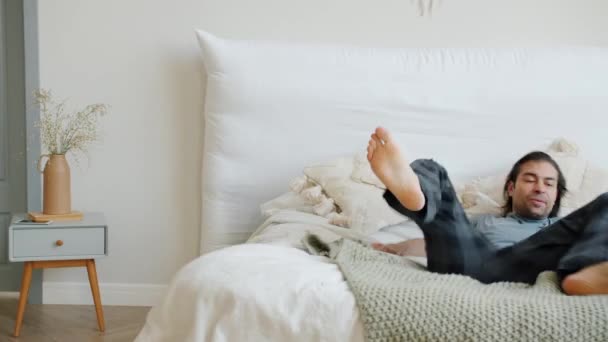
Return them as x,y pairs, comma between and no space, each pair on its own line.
512,177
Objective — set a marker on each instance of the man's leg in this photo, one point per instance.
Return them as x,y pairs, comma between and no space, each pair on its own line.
590,224
571,244
584,268
453,245
428,198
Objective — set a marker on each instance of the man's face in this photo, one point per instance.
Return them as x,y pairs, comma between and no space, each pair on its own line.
535,190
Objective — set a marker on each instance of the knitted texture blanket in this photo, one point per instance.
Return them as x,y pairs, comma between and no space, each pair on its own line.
401,301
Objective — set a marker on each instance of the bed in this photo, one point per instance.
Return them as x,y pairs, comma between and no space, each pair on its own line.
285,128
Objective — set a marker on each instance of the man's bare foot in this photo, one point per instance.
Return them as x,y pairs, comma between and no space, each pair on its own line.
591,280
414,247
394,170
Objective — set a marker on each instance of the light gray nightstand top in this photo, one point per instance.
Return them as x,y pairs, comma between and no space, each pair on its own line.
60,240
89,219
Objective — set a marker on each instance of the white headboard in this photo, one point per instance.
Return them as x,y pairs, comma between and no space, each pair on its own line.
273,108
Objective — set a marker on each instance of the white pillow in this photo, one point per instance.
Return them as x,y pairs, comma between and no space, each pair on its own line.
584,182
288,200
362,203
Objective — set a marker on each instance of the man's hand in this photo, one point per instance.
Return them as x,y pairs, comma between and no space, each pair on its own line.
414,247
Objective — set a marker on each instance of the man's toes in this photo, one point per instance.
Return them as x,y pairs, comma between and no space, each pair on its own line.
373,144
383,134
376,138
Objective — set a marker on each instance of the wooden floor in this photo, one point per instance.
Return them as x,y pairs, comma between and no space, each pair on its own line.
70,322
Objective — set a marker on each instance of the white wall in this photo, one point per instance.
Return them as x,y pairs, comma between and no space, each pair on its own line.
141,57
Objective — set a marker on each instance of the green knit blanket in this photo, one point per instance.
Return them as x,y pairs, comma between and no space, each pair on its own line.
401,301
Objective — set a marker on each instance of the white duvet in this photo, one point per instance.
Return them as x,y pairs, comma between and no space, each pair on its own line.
266,290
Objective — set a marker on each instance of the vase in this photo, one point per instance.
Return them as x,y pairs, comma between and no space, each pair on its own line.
56,192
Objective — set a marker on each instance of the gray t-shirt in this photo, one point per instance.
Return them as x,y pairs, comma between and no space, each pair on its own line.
506,231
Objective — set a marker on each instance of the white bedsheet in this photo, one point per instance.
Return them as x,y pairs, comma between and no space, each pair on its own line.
263,291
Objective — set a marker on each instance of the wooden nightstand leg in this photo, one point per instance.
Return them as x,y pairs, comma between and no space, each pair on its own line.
26,279
95,290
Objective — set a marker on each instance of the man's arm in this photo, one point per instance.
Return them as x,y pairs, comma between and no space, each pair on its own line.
413,247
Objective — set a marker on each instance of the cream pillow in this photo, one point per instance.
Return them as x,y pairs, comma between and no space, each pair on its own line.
289,200
361,204
594,183
362,172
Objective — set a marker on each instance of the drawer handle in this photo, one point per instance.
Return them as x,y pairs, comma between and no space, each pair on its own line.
59,243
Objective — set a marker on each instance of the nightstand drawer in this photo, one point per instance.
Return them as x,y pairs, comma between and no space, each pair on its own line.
58,242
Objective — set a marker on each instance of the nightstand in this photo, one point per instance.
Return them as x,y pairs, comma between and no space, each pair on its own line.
58,244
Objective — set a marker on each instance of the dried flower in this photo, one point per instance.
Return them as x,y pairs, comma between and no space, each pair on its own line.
61,131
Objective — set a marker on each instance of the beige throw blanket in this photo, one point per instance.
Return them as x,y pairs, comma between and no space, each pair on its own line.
401,301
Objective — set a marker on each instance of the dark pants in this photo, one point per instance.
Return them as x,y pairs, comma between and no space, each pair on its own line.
454,245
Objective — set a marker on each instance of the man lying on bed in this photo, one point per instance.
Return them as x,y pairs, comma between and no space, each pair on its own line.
529,239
